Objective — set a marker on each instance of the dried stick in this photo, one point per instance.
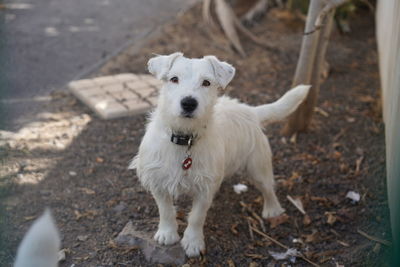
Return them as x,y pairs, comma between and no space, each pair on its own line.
283,246
254,214
373,238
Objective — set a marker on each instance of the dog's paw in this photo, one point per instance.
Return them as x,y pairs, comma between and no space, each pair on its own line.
166,237
269,212
193,245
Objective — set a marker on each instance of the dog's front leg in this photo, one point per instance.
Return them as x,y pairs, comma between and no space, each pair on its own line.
193,238
167,232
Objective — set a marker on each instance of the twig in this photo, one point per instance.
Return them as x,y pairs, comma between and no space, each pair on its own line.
250,229
254,214
297,204
284,246
270,238
373,238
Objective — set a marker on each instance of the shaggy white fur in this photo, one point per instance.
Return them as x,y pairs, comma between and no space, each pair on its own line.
41,244
228,137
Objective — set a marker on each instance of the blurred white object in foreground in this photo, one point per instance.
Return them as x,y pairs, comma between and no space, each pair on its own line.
41,244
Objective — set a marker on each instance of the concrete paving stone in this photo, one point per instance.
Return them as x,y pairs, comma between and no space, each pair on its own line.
137,106
105,80
126,77
88,92
115,87
111,109
136,84
118,95
125,95
99,101
84,83
146,92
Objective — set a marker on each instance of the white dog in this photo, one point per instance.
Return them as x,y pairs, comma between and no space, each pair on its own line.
195,139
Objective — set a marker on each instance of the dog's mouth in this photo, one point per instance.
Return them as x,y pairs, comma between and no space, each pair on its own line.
187,115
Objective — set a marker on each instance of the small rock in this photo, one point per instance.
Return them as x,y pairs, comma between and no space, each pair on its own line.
72,173
120,207
82,238
154,253
61,255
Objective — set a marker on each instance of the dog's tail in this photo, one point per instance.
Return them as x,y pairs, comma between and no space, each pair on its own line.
40,245
284,106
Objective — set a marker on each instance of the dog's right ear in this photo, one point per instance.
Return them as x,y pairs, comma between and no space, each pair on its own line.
160,65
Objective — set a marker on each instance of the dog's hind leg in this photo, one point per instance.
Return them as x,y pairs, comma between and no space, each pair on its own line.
193,238
167,232
261,174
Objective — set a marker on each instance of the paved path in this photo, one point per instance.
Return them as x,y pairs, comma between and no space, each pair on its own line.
49,42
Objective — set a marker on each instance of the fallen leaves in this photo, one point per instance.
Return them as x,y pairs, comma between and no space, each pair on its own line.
87,191
278,220
331,217
306,220
90,214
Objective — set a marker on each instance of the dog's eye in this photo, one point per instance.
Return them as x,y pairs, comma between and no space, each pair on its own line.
206,83
174,79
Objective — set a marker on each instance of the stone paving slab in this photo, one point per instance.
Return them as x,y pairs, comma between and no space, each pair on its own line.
118,95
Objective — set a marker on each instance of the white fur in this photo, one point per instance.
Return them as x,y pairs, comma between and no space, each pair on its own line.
41,244
229,137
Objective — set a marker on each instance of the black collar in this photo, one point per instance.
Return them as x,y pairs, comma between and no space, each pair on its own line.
182,139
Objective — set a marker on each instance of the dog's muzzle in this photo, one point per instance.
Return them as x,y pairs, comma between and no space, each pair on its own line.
188,104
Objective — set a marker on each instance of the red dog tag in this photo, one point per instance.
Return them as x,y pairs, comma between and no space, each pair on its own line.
187,163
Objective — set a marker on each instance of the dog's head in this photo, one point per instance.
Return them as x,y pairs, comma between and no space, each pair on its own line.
191,87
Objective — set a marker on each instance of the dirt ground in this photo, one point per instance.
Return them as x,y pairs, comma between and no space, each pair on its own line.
76,164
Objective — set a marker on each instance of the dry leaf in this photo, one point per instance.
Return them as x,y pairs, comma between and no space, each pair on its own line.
99,160
29,218
233,229
306,220
293,139
336,155
358,165
87,191
231,263
277,220
366,99
313,237
87,214
331,217
321,111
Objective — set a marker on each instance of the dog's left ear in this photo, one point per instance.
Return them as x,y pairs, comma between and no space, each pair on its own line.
160,65
223,71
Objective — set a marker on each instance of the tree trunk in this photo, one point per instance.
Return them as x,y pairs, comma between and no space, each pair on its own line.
300,119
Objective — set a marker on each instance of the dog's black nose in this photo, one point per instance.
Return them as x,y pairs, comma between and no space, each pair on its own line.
189,104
